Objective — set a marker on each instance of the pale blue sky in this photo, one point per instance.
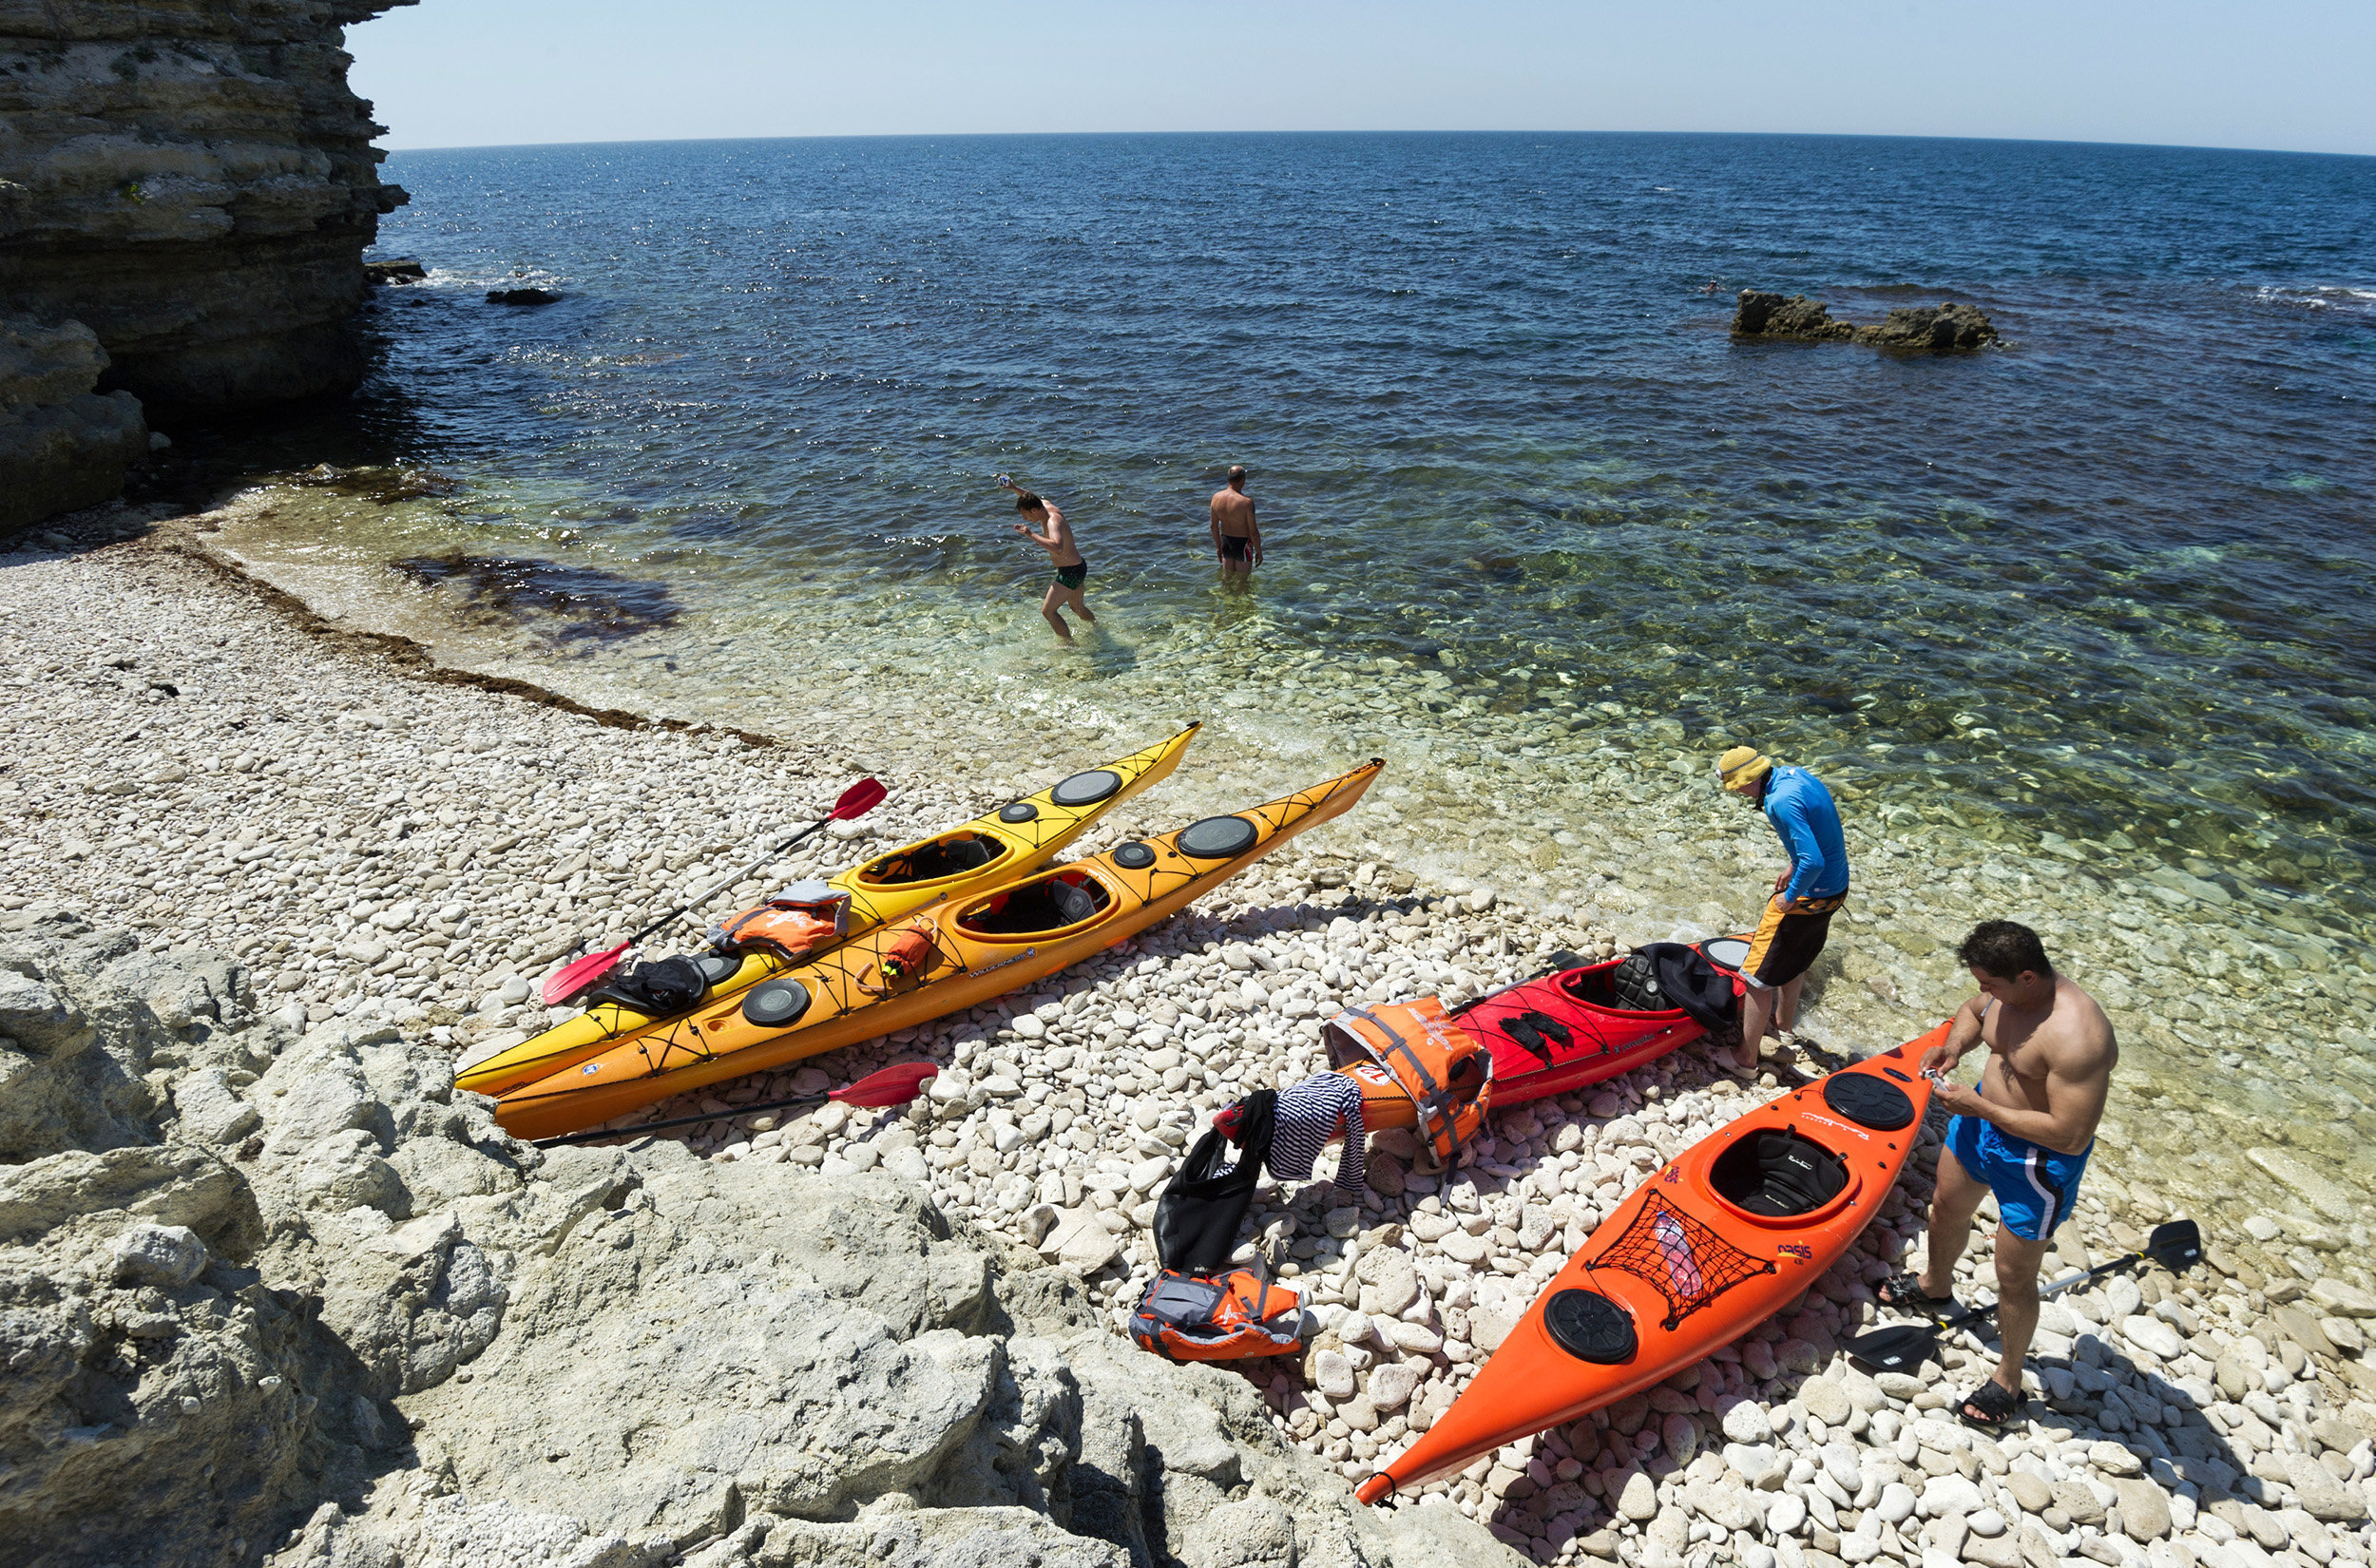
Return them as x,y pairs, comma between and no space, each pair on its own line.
2291,74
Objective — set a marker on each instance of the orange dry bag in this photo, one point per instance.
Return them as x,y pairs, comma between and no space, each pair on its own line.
903,958
1409,1053
1218,1317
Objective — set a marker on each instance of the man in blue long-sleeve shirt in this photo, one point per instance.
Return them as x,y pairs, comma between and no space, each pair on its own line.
1797,918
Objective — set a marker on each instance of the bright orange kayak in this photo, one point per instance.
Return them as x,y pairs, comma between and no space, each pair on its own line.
1711,1246
994,848
951,956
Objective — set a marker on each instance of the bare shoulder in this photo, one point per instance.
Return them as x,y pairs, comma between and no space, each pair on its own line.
2079,1038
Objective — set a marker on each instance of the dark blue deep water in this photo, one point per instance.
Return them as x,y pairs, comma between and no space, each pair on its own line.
2110,580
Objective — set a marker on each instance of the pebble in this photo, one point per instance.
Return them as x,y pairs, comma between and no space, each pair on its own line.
1745,1421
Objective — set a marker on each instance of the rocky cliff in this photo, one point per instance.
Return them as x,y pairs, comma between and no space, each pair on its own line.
195,181
283,1298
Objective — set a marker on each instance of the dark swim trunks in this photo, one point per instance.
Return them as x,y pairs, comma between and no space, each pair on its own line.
1072,577
1788,940
1233,546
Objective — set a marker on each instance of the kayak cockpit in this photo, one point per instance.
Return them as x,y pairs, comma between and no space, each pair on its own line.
1773,1174
1626,986
960,854
1042,909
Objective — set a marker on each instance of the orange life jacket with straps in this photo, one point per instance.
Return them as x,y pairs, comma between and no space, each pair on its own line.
788,928
1416,1069
1218,1317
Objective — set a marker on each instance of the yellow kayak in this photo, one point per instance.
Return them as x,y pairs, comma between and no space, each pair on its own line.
952,955
1018,837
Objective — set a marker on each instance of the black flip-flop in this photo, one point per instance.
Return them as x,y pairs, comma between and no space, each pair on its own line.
1995,1403
1903,1290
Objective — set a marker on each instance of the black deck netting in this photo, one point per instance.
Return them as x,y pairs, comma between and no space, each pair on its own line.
1689,1263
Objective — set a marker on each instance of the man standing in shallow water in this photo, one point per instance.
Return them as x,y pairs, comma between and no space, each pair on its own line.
2024,1135
1797,918
1071,571
1236,537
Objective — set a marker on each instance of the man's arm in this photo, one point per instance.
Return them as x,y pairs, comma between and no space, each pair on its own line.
1962,1033
1805,851
1213,521
1253,533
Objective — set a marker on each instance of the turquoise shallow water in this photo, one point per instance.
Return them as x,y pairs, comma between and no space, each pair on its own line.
2094,601
2111,579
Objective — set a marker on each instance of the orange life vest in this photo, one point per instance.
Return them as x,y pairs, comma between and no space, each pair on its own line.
1420,1070
788,928
1218,1317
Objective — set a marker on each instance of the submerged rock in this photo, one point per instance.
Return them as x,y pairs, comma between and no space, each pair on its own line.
1939,329
522,296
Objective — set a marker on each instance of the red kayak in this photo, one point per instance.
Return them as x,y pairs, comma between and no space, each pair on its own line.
1575,1027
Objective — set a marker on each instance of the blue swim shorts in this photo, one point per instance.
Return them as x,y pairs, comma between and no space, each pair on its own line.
2036,1188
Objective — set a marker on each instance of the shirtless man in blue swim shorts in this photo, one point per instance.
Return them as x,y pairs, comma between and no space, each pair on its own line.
2024,1134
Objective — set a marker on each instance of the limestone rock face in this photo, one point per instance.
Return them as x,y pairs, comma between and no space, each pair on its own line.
62,445
296,1299
1941,329
197,183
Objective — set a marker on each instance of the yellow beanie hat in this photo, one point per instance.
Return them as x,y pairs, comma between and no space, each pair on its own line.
1740,765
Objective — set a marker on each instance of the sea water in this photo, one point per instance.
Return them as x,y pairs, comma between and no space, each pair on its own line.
2077,627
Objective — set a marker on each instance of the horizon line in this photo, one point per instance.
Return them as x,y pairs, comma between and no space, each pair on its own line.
917,136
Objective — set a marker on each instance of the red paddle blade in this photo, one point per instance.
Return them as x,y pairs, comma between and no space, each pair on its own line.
579,975
892,1086
857,800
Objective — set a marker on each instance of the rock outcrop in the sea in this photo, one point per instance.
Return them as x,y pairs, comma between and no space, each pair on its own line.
1932,329
194,182
292,1297
62,445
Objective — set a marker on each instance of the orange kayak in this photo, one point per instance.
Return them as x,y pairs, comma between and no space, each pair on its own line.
1731,1230
943,959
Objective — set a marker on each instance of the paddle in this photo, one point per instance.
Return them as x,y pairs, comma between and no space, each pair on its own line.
855,801
892,1086
2177,1246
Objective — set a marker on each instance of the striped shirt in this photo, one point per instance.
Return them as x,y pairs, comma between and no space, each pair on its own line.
1309,1114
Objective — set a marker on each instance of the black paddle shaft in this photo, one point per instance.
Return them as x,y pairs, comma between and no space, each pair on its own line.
641,1128
811,830
2178,1244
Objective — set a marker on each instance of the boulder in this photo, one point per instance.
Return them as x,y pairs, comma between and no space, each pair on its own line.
610,1358
63,444
522,296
